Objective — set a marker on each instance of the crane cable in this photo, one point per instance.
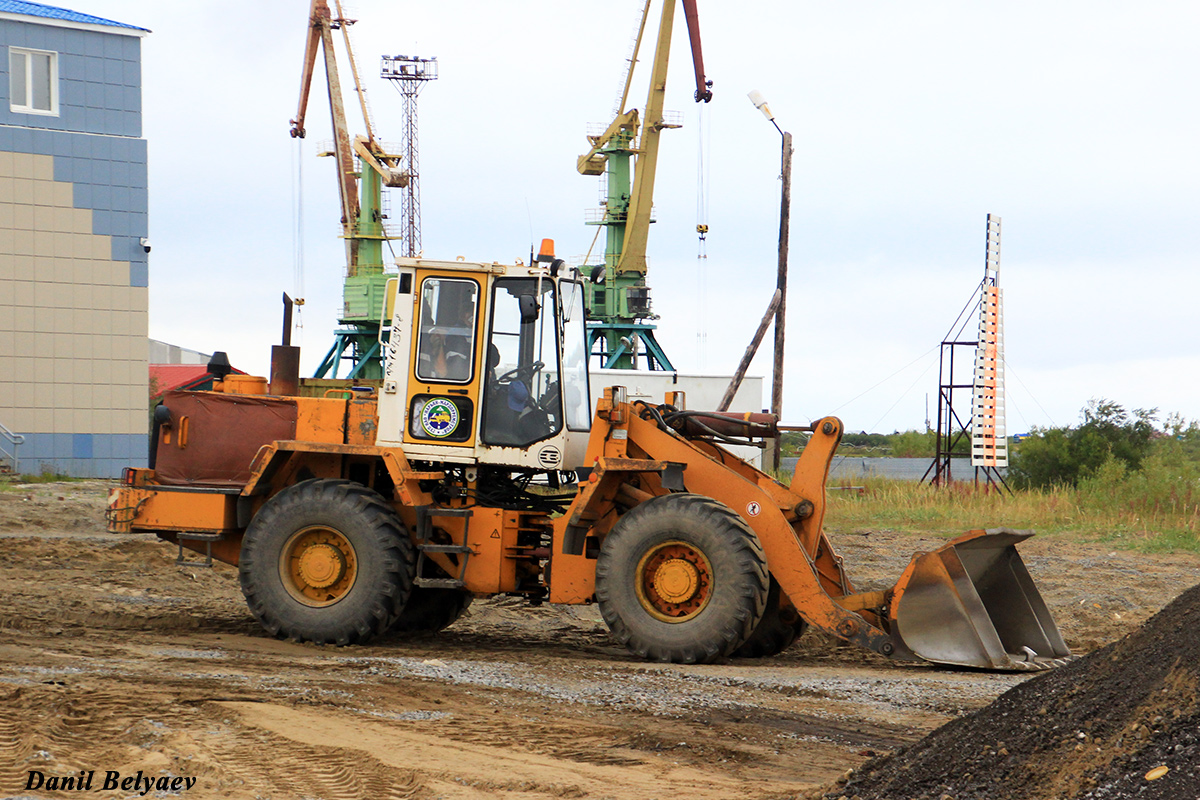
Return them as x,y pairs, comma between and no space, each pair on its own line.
703,133
298,235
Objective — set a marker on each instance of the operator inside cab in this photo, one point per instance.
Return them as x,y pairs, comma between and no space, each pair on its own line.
522,402
447,346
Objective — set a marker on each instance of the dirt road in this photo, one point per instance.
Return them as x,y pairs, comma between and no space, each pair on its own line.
114,659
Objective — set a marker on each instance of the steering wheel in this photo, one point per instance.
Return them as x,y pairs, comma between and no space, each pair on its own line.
531,369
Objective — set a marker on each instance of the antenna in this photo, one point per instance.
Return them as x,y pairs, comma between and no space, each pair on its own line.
409,75
983,429
989,439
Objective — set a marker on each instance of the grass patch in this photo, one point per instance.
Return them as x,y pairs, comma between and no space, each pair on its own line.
9,482
1122,511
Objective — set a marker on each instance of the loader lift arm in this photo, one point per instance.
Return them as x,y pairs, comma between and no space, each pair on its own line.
968,603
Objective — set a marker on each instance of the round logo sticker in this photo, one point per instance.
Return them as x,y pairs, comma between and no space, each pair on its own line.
752,508
549,456
439,417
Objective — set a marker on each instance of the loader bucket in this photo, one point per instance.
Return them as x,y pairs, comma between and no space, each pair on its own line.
972,603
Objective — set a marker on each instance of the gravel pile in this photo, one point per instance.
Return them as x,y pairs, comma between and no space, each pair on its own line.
1122,722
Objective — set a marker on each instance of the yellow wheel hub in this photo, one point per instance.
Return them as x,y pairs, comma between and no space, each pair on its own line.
322,565
674,581
318,566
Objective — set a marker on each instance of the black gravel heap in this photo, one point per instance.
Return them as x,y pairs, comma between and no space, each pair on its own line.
1090,730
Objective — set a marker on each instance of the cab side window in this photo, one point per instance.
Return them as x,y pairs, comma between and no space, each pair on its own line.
446,347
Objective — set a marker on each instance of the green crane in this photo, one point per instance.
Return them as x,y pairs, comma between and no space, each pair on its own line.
619,305
359,337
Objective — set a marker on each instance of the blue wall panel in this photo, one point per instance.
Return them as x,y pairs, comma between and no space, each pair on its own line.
109,176
96,144
102,447
62,445
81,445
95,71
53,453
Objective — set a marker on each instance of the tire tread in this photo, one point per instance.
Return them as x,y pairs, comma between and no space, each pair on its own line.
712,638
388,542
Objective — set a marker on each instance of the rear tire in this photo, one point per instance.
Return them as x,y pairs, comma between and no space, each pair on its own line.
779,628
326,561
431,610
681,578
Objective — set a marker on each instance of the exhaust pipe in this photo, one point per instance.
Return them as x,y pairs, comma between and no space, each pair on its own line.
972,603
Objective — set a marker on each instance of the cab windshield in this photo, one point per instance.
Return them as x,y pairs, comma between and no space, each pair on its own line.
522,400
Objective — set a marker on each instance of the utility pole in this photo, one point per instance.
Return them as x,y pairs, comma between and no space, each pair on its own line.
785,207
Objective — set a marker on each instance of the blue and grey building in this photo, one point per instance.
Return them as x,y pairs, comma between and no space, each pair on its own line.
73,242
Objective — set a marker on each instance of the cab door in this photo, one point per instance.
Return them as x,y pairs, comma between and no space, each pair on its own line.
443,377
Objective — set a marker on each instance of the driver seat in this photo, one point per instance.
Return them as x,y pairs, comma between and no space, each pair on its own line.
499,420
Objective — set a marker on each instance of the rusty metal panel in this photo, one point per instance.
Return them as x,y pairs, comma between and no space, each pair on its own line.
362,422
285,367
213,437
321,419
134,508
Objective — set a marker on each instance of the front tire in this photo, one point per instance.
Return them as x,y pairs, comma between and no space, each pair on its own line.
326,561
681,578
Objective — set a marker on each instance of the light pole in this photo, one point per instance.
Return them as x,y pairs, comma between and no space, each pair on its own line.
785,206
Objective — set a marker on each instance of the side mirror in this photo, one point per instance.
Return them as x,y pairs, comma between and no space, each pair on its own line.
529,308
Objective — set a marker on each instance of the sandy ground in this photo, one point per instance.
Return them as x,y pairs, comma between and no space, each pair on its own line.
115,659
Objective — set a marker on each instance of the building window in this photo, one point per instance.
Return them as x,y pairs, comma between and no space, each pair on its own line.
33,81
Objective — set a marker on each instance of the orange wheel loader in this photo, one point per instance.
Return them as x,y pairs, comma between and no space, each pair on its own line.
477,467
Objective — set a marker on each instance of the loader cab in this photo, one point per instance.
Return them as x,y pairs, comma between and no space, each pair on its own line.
486,364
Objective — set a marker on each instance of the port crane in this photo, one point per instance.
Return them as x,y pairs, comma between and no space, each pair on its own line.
360,336
619,303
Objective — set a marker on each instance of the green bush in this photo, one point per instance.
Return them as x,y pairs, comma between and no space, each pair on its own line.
866,440
914,444
1065,456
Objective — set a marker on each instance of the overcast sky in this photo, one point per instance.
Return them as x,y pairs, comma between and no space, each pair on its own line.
1075,122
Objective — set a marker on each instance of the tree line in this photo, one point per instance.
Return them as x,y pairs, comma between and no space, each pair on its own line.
1110,442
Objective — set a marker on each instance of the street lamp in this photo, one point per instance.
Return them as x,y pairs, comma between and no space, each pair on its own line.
760,103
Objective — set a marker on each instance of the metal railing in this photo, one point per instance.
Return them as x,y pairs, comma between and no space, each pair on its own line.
16,440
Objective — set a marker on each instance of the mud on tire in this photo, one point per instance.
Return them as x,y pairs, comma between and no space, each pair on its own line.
681,578
326,561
